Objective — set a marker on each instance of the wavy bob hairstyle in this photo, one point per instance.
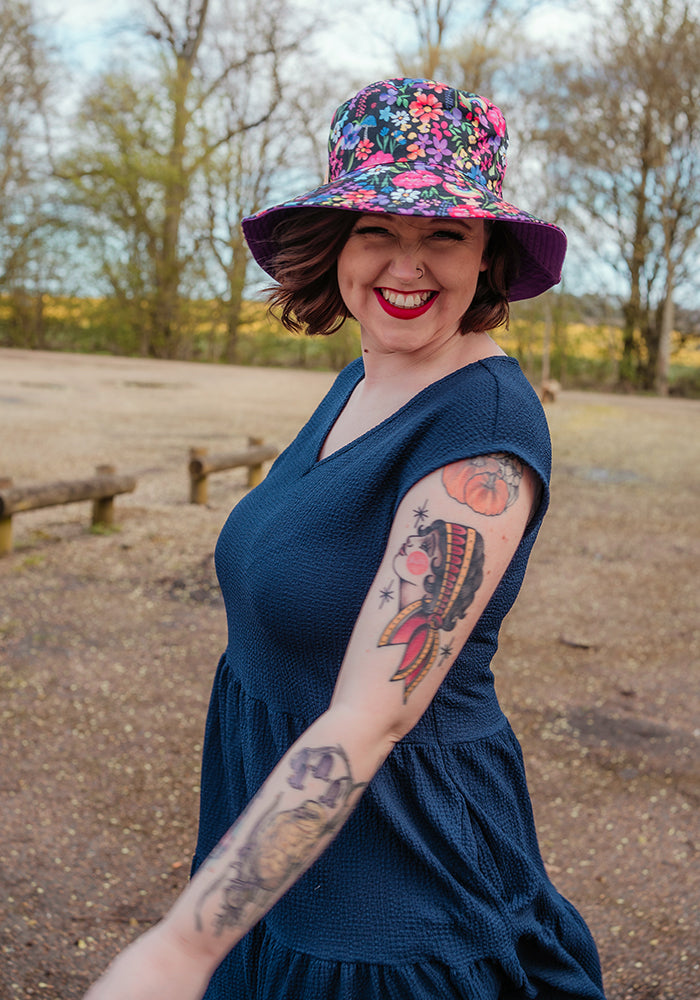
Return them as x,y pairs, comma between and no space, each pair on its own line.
305,267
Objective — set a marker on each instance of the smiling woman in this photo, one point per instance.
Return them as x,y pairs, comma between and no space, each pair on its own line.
306,267
411,269
365,827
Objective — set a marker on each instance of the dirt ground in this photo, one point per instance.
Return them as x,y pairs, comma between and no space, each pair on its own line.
108,643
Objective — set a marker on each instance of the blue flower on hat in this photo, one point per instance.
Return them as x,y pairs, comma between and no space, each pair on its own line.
351,135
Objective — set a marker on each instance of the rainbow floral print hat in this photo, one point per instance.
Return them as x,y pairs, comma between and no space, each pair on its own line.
416,147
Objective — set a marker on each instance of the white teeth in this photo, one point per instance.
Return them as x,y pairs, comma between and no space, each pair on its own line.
401,301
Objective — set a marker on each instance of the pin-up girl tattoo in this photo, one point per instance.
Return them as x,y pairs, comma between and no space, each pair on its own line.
440,569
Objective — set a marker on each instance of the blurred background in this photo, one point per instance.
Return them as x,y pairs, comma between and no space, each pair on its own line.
135,136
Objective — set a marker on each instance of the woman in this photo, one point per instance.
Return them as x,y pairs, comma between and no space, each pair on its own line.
383,843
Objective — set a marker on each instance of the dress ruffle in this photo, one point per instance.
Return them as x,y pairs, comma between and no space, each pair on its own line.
424,893
270,970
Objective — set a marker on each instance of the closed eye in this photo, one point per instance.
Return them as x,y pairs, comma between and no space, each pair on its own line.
371,231
448,234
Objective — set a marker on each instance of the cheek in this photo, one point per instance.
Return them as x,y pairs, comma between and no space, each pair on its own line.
417,563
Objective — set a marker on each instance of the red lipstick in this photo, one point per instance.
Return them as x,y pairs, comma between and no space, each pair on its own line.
398,313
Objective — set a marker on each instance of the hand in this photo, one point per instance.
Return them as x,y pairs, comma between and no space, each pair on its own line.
156,966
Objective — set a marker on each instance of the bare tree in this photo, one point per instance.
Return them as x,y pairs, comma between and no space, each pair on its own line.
432,21
284,155
24,164
149,136
237,184
468,45
626,126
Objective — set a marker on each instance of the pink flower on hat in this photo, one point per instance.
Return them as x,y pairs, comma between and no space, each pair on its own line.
424,107
468,211
417,179
378,158
356,199
497,120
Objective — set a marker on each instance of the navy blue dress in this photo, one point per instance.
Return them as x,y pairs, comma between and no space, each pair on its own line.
435,887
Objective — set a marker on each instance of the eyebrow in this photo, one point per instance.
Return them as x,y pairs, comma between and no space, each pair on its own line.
419,222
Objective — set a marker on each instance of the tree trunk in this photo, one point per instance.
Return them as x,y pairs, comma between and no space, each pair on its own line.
663,356
168,265
630,366
547,340
236,285
166,318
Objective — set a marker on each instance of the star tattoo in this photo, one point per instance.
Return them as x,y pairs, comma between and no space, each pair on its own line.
445,651
420,513
387,594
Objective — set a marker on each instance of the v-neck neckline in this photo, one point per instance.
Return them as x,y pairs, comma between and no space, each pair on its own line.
342,403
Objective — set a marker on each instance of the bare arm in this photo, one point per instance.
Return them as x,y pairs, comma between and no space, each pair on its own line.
453,536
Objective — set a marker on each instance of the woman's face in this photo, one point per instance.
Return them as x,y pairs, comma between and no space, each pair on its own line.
399,308
418,557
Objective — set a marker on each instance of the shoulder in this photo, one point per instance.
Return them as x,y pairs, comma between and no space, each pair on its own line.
520,424
500,383
486,408
491,406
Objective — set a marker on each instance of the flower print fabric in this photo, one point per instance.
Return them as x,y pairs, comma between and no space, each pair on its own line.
456,138
415,147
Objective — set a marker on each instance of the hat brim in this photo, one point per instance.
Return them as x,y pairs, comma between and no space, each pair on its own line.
405,189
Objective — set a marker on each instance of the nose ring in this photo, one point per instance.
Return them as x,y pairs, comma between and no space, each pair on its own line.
420,270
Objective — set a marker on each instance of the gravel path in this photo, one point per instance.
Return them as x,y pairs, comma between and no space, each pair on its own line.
108,644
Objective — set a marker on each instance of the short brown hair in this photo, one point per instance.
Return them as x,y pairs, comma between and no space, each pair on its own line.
305,268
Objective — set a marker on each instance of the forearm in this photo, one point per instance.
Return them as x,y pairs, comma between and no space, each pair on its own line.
292,819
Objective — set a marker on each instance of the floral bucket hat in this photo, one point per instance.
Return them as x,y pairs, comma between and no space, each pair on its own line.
415,147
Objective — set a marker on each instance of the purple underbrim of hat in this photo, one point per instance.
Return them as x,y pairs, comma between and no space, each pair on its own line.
407,191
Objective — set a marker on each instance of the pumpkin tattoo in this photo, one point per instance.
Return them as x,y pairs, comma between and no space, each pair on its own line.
488,484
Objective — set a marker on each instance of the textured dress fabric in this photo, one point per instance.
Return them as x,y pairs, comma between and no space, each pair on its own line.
435,886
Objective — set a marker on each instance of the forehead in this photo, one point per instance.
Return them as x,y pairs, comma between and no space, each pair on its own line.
419,223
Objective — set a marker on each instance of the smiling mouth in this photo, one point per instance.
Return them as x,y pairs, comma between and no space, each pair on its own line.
405,305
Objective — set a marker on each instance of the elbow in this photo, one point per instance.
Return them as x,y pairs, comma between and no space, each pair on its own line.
366,736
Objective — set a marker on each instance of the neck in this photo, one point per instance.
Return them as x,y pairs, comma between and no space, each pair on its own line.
414,371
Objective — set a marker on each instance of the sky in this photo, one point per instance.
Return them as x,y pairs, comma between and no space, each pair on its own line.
86,30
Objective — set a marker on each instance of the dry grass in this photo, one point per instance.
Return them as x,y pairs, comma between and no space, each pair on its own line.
108,643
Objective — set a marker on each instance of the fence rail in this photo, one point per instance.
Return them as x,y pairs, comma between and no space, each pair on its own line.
100,488
202,464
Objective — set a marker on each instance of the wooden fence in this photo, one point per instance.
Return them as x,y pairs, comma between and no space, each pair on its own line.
106,484
101,489
202,464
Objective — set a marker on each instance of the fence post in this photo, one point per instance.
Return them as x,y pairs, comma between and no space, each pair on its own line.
5,525
255,472
198,483
103,507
